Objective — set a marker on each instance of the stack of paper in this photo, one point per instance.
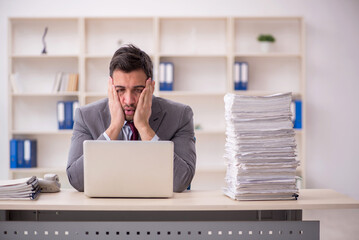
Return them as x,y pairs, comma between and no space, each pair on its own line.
260,147
18,189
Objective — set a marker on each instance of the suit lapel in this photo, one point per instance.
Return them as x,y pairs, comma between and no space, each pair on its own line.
105,117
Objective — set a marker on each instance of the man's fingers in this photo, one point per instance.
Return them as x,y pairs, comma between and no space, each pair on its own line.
153,86
142,98
109,89
147,92
114,94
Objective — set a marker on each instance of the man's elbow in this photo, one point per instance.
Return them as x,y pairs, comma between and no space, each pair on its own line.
79,186
184,183
179,189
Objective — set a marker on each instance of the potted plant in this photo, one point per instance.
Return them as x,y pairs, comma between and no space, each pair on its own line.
266,40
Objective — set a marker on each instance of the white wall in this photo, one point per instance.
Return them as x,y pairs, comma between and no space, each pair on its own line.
332,72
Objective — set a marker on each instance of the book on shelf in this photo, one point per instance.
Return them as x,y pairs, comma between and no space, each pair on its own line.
296,108
14,82
66,114
57,82
65,82
19,189
240,75
61,114
23,153
166,76
13,153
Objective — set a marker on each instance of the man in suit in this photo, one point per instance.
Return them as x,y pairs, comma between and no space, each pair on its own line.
131,112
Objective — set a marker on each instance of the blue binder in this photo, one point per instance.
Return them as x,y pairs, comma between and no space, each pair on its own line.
297,123
241,75
68,115
166,76
13,153
162,76
75,105
236,73
20,154
169,76
30,153
61,114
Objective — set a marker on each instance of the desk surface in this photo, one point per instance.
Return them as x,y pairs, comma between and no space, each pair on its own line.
194,200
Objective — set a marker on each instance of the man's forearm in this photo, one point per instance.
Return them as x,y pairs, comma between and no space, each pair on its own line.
146,133
113,132
75,174
183,173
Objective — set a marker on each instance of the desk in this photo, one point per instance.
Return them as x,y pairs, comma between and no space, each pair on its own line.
196,214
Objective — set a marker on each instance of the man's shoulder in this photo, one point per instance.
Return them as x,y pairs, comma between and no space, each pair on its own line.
169,105
174,110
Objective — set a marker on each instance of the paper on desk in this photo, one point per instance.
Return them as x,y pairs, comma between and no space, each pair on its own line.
19,189
260,149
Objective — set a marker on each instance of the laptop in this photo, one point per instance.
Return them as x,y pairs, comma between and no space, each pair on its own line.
141,169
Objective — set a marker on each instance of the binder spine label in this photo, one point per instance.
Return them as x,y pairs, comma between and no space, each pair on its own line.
244,72
27,153
61,114
162,76
240,75
166,76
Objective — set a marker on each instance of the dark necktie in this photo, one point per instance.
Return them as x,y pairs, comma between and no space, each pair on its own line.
134,131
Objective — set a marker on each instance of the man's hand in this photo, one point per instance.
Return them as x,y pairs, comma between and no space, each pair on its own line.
143,112
117,114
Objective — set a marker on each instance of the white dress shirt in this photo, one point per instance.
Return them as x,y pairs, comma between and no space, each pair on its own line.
126,134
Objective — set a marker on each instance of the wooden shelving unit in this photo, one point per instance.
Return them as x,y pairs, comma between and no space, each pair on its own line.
203,50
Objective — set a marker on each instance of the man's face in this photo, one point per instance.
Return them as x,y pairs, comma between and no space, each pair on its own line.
129,87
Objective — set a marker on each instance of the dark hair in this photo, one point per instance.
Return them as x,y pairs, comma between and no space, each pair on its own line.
130,58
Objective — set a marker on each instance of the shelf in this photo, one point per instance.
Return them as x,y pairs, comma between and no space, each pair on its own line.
101,39
40,132
37,75
195,55
210,170
65,94
271,55
61,39
95,94
269,18
219,131
38,170
167,94
98,56
193,36
105,56
204,94
298,131
287,32
209,131
188,94
262,93
44,56
199,74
